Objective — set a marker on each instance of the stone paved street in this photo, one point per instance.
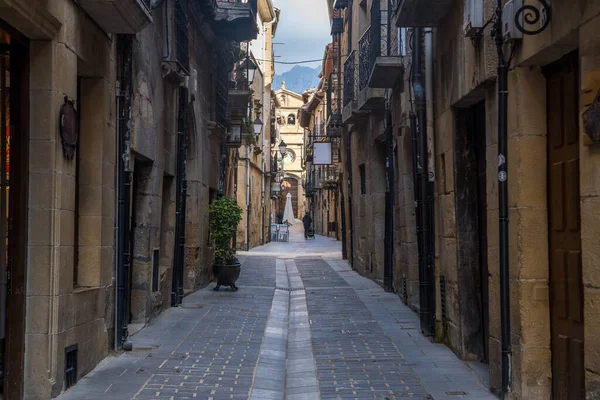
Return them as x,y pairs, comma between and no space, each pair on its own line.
302,326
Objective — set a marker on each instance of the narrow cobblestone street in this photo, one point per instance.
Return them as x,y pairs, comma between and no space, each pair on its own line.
302,326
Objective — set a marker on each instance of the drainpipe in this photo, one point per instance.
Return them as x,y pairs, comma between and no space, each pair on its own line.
123,137
3,255
263,202
388,242
422,200
503,204
430,143
349,183
247,197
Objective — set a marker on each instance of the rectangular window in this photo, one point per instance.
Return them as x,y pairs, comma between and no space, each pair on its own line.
363,179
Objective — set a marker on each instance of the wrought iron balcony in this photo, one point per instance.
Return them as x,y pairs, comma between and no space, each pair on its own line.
350,78
420,13
350,113
235,20
119,16
234,137
385,67
239,93
368,49
365,56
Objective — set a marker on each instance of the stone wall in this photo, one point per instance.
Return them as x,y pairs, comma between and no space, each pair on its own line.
466,78
63,307
368,204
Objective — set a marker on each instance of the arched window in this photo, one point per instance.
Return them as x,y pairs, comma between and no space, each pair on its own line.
291,119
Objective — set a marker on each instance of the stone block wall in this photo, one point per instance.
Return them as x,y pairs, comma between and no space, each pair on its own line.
368,202
70,292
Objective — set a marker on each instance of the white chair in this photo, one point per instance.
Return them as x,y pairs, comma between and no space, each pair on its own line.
283,234
274,232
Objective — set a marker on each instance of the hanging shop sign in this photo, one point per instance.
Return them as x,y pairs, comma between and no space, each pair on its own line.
69,129
322,153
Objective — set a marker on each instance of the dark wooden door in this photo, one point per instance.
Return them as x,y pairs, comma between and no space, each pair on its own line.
480,156
14,91
293,189
564,230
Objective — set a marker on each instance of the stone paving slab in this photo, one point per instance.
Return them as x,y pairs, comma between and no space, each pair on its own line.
207,348
302,326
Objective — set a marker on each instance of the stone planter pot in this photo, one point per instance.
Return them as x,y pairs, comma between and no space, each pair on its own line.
227,275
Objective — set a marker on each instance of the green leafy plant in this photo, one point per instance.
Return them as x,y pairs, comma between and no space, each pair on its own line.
225,215
249,125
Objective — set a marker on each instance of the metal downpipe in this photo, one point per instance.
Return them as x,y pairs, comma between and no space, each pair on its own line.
504,270
422,200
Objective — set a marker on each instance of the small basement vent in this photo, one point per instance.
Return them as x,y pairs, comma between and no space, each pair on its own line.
71,366
404,289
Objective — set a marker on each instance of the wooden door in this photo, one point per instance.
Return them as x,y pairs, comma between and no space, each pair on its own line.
564,230
293,189
14,110
479,137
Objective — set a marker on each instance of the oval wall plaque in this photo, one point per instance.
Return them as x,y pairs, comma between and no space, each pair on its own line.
69,130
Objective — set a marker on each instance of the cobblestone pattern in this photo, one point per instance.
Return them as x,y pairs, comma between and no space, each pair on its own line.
217,360
257,271
316,273
355,359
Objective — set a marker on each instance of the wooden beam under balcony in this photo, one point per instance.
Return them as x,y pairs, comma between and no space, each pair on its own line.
420,13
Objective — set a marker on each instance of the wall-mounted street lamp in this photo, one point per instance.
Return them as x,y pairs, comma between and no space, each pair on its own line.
250,68
282,147
258,126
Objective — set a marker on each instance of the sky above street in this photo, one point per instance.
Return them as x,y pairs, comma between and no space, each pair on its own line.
304,30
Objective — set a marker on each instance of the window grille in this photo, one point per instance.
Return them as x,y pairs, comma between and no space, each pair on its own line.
71,366
181,33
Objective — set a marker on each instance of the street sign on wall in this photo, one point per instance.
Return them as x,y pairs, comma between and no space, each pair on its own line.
322,153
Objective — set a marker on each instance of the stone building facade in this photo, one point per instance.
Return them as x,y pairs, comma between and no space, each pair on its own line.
254,157
102,105
292,134
60,200
552,182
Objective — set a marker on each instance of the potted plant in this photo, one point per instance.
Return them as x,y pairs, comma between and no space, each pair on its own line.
225,215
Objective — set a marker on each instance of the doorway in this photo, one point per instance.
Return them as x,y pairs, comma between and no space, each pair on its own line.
566,287
471,224
290,185
14,115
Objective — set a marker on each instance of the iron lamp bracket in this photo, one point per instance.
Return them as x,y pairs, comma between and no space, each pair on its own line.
530,15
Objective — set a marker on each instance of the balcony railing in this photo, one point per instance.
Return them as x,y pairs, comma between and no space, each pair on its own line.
365,49
350,78
182,33
385,67
221,105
